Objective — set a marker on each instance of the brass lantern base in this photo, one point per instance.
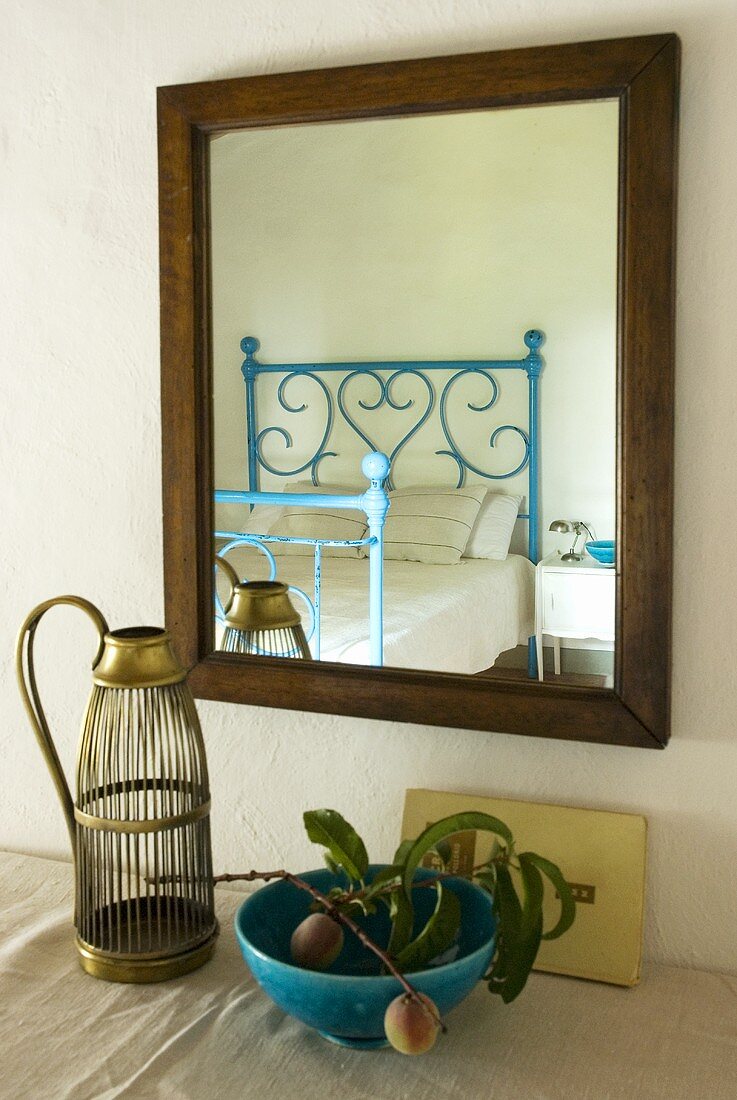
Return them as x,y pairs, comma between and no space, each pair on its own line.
113,968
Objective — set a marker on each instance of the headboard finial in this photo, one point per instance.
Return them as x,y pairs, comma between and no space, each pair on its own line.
375,466
250,345
533,361
534,339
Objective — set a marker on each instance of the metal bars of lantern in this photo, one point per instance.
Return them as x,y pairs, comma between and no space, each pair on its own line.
142,827
260,620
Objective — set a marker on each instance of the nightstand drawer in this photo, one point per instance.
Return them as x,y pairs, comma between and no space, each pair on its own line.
579,603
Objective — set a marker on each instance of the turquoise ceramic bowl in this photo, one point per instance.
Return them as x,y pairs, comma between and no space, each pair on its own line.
347,1002
602,551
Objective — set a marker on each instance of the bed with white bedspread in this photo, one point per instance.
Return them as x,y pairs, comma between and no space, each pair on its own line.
448,618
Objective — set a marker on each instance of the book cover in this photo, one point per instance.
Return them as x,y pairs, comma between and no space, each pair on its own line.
601,854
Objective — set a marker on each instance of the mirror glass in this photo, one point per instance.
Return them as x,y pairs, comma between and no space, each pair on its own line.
366,277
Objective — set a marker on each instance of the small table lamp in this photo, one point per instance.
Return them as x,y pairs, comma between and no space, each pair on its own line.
567,527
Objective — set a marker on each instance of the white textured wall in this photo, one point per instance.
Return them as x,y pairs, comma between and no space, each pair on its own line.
79,415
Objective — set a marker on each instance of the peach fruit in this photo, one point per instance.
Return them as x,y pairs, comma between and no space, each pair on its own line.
316,942
409,1028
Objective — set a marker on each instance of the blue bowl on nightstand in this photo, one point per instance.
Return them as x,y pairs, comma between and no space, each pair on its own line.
601,550
346,1003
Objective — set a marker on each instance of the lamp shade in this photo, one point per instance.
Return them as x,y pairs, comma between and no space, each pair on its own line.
561,526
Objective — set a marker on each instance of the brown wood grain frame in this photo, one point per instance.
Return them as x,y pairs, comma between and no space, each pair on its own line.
643,74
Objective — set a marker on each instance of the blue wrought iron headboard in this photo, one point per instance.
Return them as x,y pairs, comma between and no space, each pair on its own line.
384,375
377,466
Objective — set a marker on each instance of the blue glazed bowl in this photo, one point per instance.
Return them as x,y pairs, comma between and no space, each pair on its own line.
602,551
347,1002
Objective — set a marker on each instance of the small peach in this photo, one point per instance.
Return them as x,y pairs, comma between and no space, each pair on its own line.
409,1028
316,942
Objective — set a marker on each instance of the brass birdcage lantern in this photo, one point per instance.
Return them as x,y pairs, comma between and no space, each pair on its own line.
140,826
261,620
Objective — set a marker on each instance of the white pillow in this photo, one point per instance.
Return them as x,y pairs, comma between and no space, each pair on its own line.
247,561
319,523
492,531
240,517
261,519
431,525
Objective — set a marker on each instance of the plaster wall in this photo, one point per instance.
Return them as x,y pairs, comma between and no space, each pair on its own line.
79,417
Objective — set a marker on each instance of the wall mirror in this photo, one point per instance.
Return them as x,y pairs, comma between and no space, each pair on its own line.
417,354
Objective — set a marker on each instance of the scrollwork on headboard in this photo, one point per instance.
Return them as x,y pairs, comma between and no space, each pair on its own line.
385,398
384,375
312,463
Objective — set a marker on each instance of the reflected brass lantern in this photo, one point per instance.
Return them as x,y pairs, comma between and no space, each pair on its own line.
140,825
261,620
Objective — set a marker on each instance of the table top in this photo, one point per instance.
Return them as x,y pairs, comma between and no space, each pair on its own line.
554,563
214,1033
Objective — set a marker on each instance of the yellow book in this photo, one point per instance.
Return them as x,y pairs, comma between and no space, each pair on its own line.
601,854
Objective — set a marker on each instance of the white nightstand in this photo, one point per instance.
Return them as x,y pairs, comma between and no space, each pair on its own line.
573,599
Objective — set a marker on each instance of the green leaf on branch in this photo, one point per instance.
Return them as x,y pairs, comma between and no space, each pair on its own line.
329,828
385,876
330,863
508,914
401,853
496,851
401,915
437,935
357,907
521,926
410,853
456,823
381,881
444,852
487,879
567,901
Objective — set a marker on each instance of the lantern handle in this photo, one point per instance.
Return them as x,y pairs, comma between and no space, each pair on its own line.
232,576
26,676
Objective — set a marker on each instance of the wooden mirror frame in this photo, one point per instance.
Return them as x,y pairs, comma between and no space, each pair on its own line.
643,74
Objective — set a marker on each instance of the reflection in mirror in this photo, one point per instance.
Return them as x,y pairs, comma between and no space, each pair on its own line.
385,287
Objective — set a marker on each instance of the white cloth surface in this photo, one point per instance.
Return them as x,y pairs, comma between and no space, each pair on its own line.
67,1036
448,618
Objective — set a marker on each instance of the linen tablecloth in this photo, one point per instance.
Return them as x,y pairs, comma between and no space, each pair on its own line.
214,1034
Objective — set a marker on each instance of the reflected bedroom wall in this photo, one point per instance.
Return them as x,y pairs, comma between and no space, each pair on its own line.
433,237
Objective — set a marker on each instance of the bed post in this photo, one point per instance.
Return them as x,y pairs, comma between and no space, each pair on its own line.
249,368
375,502
533,366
